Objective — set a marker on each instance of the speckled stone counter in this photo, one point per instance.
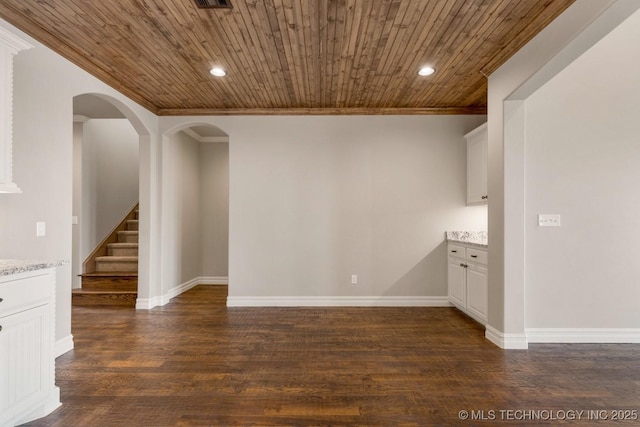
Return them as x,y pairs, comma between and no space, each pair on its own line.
475,238
16,266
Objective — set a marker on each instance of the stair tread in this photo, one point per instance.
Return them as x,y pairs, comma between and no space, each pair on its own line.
98,292
124,244
111,274
128,231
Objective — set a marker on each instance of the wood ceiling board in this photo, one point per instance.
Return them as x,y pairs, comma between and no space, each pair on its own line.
290,56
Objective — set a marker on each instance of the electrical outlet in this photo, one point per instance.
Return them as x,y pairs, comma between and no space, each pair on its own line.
41,229
354,279
548,220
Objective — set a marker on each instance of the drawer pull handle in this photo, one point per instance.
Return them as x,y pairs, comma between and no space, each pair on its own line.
451,251
474,256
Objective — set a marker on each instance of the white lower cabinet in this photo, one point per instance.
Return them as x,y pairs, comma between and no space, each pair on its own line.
27,365
468,280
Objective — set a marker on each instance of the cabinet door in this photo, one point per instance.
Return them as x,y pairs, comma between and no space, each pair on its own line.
477,291
23,348
477,147
456,282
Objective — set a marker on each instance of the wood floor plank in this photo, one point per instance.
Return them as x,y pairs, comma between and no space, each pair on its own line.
195,362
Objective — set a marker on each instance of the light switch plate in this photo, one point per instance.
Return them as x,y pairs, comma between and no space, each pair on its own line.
547,220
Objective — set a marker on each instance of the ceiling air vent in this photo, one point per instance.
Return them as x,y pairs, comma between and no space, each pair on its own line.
214,4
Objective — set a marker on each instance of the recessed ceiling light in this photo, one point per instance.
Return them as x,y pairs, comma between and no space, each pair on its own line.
218,72
426,71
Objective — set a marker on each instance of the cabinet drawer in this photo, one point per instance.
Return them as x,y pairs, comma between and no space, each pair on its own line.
24,292
457,251
477,255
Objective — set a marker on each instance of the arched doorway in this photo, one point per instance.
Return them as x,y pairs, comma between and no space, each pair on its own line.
106,187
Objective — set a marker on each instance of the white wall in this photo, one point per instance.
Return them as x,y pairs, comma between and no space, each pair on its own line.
568,37
43,140
582,161
110,178
317,199
214,200
314,200
182,239
77,258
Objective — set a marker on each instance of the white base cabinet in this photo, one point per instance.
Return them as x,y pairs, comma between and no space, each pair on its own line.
27,362
468,280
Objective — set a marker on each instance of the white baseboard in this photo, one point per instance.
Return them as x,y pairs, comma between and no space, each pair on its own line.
63,345
183,287
584,335
338,301
149,303
40,410
213,280
506,341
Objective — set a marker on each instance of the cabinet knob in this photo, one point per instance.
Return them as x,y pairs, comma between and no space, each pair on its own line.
0,328
484,197
1,299
463,265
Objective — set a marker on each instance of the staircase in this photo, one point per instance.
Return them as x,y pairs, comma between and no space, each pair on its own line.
111,271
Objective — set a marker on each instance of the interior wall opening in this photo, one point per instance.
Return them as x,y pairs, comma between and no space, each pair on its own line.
195,201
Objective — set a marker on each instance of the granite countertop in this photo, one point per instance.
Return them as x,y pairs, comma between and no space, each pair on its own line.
475,238
15,266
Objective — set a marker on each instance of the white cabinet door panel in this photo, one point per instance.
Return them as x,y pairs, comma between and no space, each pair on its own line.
457,285
22,357
477,158
477,291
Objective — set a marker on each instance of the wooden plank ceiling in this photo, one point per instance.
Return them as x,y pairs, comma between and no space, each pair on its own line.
290,56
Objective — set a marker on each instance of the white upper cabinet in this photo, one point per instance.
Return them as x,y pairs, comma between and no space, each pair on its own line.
10,45
477,147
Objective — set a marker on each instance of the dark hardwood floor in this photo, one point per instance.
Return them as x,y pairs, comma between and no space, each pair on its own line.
195,362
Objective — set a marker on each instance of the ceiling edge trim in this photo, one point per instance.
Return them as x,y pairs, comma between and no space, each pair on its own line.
319,111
